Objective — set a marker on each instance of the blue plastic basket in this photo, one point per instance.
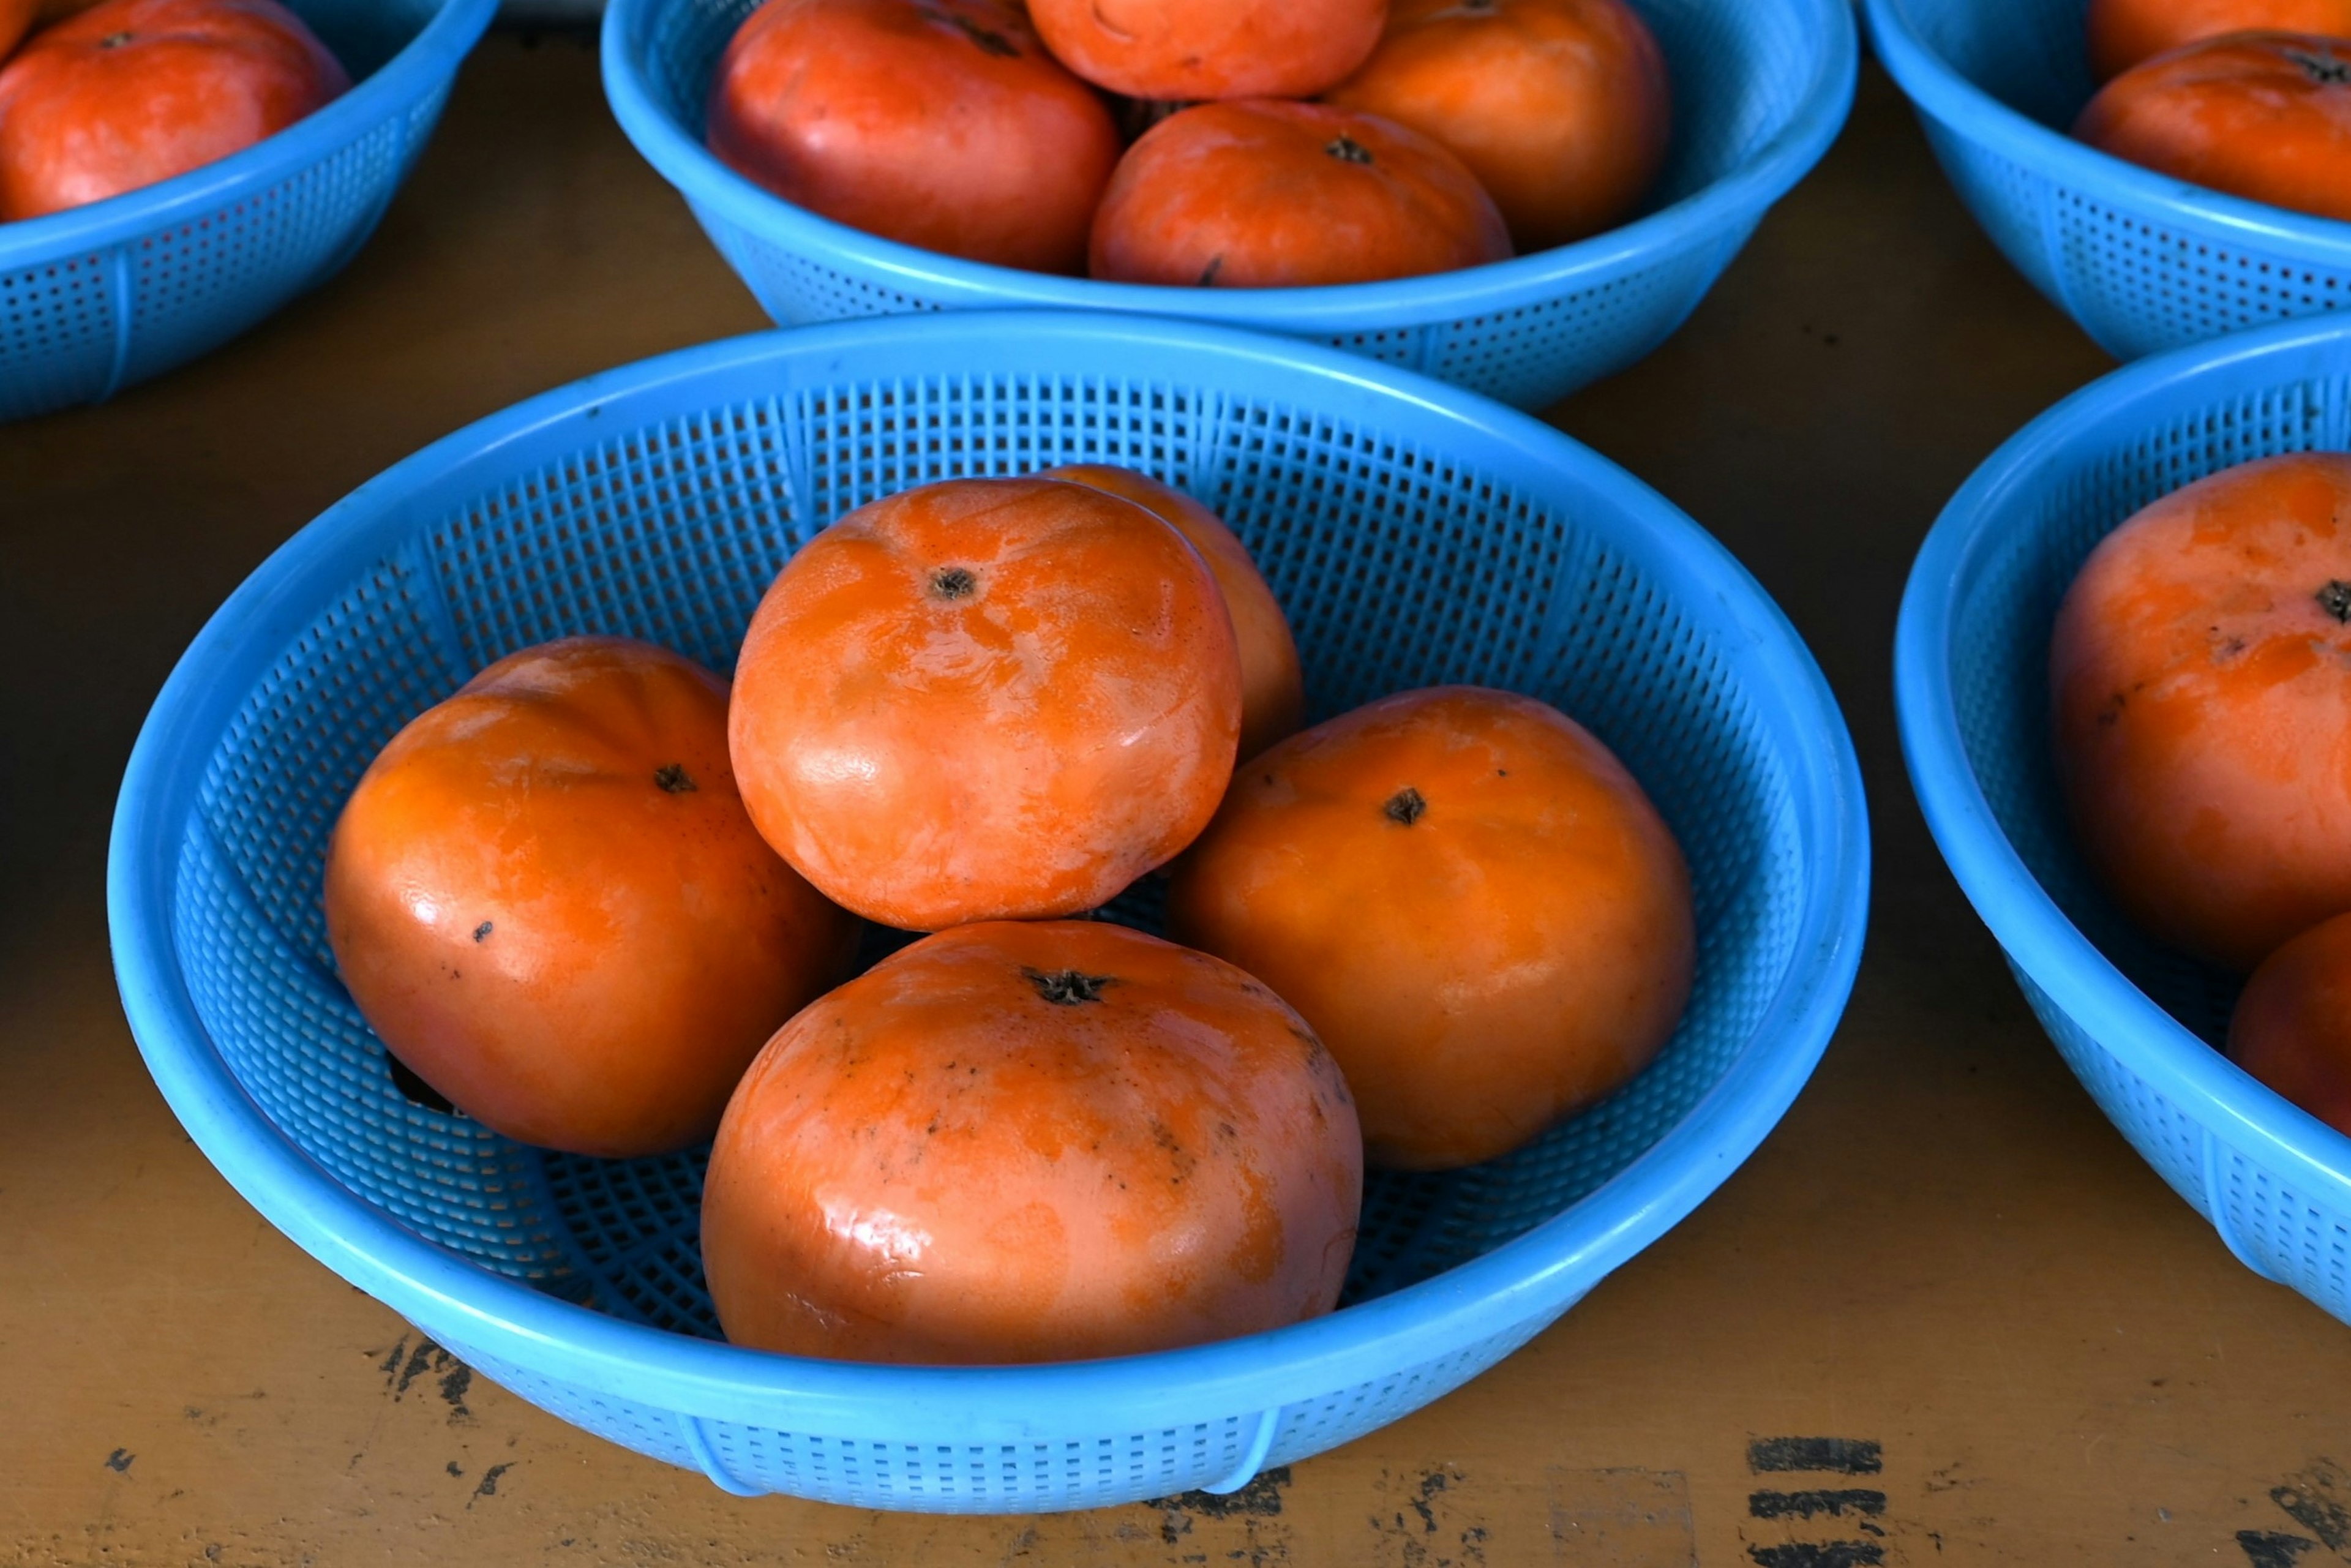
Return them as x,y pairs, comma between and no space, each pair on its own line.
96,298
2141,260
1416,533
2139,1025
1760,88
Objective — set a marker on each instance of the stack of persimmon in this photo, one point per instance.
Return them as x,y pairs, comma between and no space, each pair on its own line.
603,902
1288,142
98,99
2200,680
2248,97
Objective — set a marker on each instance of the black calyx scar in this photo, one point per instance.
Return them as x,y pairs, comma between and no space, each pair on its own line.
953,582
2335,600
674,778
1067,988
1347,149
1405,807
482,932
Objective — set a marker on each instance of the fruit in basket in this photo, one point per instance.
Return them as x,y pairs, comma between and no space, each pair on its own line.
2265,116
546,897
1273,691
1468,898
986,699
1021,1142
1561,108
1262,194
939,123
2200,680
2125,32
1182,50
130,92
2291,1028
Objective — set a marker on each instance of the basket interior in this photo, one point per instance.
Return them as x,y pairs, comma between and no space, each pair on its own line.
664,516
2004,610
2030,55
1738,69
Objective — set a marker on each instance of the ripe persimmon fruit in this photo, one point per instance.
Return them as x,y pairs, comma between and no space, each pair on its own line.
131,92
1262,194
545,897
2291,1028
1273,691
986,699
939,123
1561,108
1469,899
2265,116
1185,50
2200,680
2125,32
1018,1142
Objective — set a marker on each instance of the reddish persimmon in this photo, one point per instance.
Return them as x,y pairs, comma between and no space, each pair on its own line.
1184,50
2125,32
2291,1028
1020,1142
2200,672
1262,195
2265,116
1273,691
545,897
130,92
1468,898
15,21
1561,108
986,699
939,123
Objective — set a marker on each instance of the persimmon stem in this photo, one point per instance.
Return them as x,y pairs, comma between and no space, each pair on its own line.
1067,988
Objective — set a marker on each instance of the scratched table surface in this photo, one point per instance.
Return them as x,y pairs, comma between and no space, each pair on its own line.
1943,1315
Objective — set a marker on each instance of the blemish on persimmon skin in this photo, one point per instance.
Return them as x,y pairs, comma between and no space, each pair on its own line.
2335,600
1405,807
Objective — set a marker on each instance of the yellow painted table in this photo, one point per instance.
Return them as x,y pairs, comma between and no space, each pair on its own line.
1943,1315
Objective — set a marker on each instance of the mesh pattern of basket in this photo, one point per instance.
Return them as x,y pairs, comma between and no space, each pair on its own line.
1761,87
2139,1024
96,298
1415,534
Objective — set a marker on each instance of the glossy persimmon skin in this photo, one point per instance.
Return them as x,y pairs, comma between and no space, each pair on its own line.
2200,680
2291,1028
131,92
1561,108
545,897
1186,50
1471,902
1262,194
1273,690
938,123
2122,33
1032,1142
2265,116
986,699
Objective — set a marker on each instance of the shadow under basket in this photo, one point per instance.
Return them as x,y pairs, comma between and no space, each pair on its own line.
1417,534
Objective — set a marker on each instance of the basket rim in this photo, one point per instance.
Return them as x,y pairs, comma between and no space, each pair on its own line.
1738,196
2124,1021
431,56
1935,88
482,1313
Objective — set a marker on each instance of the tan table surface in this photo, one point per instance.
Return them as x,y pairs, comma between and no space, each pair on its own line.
1944,1252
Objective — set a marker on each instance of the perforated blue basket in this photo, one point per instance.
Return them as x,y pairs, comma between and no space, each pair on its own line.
1761,87
2141,260
1416,533
2139,1024
98,298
